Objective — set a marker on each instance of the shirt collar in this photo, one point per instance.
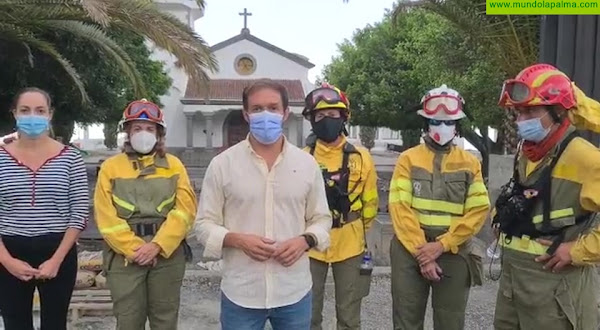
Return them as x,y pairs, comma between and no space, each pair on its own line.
284,149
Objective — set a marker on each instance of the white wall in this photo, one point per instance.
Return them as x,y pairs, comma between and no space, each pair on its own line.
220,114
186,11
268,64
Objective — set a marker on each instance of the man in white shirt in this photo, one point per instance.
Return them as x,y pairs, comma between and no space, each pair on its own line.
262,207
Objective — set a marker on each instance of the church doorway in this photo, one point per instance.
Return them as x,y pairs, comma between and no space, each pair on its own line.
235,128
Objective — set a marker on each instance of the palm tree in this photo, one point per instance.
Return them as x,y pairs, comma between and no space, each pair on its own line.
27,23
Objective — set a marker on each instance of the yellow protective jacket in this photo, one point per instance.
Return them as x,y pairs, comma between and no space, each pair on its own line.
575,192
349,240
438,192
146,190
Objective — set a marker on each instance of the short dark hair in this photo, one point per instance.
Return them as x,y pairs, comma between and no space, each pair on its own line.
265,84
17,97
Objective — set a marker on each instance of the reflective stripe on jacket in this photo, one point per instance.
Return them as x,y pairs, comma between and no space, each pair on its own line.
438,194
575,191
147,190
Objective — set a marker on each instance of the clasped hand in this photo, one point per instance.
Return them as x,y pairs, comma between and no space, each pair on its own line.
262,248
25,272
429,252
146,255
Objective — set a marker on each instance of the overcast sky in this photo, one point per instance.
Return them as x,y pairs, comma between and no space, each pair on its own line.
311,28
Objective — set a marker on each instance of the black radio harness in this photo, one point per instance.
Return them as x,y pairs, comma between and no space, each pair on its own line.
516,202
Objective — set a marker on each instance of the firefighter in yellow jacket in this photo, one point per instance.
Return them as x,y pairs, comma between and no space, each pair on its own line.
545,214
144,207
437,203
351,186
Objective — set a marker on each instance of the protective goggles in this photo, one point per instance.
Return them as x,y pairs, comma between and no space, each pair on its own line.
451,105
435,122
328,95
516,92
137,109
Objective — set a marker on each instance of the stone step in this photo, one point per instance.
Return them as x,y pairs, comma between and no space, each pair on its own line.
196,172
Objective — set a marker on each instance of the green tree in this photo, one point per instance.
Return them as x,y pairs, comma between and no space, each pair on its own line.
29,25
367,136
58,45
108,89
387,67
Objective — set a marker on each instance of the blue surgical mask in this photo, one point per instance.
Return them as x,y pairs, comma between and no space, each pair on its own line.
33,125
532,130
266,127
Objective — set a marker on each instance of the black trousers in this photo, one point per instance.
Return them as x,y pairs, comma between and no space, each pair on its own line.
16,296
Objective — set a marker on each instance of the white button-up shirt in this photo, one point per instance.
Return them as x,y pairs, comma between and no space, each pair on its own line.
239,194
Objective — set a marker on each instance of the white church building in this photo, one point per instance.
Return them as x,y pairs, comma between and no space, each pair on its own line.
209,116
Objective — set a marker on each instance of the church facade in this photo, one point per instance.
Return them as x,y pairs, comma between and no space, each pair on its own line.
213,112
209,116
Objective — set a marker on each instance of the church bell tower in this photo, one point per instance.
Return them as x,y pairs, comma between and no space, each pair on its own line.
188,12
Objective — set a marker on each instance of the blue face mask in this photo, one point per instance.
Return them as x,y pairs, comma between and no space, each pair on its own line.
266,127
532,130
33,125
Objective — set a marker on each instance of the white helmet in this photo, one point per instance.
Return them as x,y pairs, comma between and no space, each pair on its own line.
442,103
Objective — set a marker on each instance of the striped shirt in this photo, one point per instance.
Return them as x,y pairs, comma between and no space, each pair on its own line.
50,200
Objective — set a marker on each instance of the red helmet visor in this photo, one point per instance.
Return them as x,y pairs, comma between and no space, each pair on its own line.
448,103
136,109
515,92
328,95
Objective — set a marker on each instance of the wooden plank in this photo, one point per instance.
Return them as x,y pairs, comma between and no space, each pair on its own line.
90,306
594,51
90,299
565,51
585,42
89,309
548,38
91,292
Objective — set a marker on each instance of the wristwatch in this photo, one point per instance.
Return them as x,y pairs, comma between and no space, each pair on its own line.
310,240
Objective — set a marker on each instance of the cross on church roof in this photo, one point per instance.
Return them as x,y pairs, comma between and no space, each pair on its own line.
245,14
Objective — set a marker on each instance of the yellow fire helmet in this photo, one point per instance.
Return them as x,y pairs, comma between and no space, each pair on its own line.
326,97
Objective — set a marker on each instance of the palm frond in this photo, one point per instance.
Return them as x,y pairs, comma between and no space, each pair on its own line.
141,17
16,34
97,37
96,10
167,32
202,4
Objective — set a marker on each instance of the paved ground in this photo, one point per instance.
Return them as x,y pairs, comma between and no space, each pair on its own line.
200,305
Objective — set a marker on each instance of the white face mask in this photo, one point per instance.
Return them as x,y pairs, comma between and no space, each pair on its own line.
143,142
442,134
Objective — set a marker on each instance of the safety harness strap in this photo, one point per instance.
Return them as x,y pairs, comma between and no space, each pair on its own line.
345,202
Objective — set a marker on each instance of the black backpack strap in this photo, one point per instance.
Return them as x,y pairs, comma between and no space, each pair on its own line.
546,187
312,148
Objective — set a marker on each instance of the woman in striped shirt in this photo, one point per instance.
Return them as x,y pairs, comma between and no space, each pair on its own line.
44,205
